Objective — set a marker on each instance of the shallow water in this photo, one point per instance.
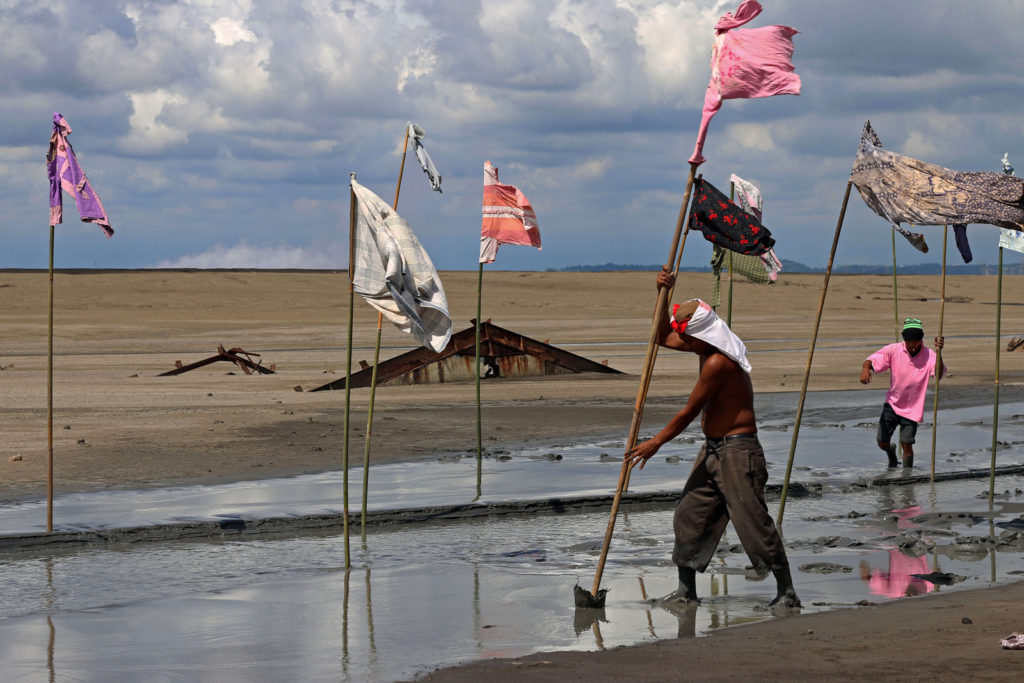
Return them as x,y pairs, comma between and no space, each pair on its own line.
431,594
832,450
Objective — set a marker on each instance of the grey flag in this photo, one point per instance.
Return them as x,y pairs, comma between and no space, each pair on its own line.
416,134
394,274
905,190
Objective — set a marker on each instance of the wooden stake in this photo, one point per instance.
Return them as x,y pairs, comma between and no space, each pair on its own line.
645,380
938,353
348,360
895,289
728,320
810,358
376,359
995,401
49,400
479,428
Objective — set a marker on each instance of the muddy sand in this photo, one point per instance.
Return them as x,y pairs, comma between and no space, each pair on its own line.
118,425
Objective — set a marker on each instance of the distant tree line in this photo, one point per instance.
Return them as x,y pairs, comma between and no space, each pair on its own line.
797,267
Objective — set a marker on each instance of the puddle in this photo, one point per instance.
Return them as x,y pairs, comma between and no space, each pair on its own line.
419,596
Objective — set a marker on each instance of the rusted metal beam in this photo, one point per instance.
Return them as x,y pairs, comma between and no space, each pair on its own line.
236,355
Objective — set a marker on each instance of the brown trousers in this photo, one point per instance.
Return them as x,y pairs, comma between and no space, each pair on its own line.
727,482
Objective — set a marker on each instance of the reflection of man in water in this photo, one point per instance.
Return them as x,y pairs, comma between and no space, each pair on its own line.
910,366
899,580
728,479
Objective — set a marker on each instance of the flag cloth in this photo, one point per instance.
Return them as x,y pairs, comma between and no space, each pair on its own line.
902,189
748,63
748,198
65,174
416,134
508,217
394,274
725,224
1011,239
762,269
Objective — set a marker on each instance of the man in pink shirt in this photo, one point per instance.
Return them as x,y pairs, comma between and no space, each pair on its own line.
910,366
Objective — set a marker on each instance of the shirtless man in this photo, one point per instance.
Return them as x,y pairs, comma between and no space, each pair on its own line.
728,478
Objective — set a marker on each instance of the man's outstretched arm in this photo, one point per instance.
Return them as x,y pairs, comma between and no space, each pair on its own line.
712,375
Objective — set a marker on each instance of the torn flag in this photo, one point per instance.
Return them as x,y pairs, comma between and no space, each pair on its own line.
746,63
394,274
725,224
65,174
416,134
508,217
902,189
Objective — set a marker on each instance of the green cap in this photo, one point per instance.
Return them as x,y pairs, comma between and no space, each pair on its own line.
912,324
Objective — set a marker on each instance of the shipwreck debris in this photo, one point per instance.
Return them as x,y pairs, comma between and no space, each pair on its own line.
503,353
238,356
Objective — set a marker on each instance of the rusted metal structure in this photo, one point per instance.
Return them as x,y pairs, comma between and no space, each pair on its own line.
503,353
239,357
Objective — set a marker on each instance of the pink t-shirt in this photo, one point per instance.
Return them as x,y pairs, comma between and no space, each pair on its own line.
908,377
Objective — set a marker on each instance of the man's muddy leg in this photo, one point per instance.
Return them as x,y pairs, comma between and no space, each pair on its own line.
908,454
687,590
890,450
786,594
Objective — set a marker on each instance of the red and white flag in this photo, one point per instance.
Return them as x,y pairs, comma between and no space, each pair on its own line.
508,217
746,63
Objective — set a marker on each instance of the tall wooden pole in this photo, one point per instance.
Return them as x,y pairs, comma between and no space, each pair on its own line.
348,359
995,402
895,290
938,352
376,359
645,380
728,321
49,399
810,357
479,428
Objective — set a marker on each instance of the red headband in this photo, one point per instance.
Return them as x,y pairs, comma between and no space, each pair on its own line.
679,327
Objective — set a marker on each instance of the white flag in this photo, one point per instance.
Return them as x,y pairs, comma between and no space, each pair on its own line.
394,274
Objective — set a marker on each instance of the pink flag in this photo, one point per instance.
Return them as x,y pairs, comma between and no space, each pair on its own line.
748,63
65,174
508,217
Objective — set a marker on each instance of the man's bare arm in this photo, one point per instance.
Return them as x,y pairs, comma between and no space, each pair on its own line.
712,375
865,372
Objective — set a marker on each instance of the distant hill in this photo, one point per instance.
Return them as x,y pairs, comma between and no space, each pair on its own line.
797,267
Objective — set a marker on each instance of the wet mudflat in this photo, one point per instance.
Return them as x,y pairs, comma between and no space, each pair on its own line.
424,595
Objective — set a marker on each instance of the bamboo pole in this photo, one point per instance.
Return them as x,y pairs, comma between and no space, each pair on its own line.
49,399
810,357
348,360
645,380
376,359
995,401
895,290
938,352
728,321
479,429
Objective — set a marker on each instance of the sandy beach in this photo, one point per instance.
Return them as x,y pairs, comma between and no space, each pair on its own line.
117,425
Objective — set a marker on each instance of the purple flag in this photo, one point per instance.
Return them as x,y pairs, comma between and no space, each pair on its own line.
65,174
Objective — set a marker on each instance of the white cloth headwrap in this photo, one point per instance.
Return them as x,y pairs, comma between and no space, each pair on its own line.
707,326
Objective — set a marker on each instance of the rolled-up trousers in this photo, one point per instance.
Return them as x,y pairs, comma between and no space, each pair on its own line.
727,483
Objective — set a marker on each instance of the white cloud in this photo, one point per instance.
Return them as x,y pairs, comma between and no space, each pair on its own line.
148,131
227,31
244,255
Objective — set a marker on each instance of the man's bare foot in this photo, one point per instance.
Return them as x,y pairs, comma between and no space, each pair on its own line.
786,599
